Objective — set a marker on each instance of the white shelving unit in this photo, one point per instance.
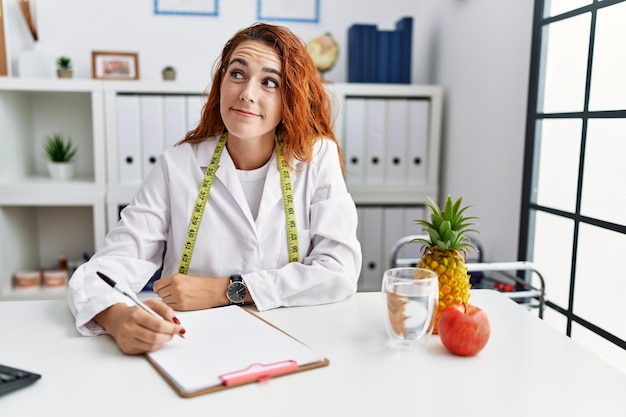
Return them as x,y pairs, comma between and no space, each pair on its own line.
40,218
120,191
391,138
391,99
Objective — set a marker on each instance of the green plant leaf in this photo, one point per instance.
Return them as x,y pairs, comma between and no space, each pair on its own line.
59,149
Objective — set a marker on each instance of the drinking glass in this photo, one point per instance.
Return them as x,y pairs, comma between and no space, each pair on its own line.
412,296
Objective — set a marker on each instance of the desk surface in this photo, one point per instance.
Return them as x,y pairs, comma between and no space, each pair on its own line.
527,368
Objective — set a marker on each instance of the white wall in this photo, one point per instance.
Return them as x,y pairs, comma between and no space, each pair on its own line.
484,57
477,49
193,43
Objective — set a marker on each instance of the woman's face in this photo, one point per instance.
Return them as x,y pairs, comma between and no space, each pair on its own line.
250,97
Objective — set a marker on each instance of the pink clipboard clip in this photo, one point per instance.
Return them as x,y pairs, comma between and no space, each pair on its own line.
258,372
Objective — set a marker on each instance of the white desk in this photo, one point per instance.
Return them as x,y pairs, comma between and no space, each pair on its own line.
527,369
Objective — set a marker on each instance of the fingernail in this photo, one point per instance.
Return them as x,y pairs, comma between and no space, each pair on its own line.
182,332
175,320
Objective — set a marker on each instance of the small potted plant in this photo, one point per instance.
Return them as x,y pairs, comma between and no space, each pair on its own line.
64,67
60,152
169,73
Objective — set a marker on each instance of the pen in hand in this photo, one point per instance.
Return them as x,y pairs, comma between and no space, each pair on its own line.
138,302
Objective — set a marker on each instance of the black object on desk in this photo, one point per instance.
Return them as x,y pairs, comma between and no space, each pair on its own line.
13,378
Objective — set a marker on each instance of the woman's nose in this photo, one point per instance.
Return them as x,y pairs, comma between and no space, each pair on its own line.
248,93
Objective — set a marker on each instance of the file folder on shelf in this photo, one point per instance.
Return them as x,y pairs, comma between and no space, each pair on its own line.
380,56
394,227
129,138
376,116
372,237
355,138
194,110
419,128
152,127
226,347
396,169
175,108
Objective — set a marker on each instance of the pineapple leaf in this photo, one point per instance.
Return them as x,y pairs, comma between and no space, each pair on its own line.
436,221
443,246
457,204
448,209
434,236
446,226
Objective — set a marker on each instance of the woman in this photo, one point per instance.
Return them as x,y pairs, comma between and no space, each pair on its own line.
251,207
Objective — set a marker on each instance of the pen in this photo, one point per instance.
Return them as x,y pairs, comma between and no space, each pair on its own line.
135,300
114,285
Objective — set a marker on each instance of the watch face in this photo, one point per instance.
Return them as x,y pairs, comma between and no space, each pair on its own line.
236,292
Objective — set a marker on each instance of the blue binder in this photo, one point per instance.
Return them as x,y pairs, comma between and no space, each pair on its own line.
380,56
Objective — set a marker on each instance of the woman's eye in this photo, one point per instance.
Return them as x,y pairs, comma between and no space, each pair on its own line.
236,74
271,83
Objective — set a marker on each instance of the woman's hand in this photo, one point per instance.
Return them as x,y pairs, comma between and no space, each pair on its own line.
136,331
186,292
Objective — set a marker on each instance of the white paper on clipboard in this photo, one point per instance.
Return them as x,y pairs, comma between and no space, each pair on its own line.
223,340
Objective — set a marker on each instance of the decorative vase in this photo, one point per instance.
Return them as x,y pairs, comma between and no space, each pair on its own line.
64,73
61,171
35,63
168,74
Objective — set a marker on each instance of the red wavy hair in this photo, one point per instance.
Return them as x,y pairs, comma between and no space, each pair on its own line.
306,106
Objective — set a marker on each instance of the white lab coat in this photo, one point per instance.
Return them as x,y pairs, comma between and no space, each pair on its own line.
229,240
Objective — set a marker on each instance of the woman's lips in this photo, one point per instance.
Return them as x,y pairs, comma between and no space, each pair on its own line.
243,112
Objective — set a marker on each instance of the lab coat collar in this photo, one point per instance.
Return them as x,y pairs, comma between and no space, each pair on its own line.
227,174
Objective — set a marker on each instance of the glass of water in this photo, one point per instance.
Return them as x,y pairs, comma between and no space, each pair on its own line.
412,296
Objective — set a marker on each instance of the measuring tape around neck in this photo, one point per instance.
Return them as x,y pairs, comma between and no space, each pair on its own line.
290,214
203,194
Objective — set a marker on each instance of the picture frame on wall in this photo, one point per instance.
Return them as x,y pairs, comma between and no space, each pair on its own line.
4,56
186,7
108,65
302,11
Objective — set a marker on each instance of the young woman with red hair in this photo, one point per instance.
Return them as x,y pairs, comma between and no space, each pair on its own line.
250,207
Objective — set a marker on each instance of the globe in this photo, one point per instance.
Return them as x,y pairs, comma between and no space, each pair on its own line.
324,51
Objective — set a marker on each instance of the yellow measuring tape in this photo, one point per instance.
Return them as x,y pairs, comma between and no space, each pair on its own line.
290,214
203,194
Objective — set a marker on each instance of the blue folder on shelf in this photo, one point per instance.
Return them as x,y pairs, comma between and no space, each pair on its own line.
380,56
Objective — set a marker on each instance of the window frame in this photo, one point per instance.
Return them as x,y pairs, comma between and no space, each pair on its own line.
532,139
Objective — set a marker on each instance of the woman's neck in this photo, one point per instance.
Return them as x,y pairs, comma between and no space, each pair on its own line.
249,154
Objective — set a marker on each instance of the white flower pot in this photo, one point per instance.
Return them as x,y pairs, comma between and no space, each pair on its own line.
61,171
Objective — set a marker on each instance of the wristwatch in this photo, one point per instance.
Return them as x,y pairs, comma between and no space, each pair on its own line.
236,291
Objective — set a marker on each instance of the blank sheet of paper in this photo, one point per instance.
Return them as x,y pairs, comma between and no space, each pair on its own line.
223,340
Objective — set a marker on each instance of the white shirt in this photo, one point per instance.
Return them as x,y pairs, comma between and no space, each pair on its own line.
252,184
230,240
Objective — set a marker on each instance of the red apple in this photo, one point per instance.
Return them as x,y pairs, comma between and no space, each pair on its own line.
464,329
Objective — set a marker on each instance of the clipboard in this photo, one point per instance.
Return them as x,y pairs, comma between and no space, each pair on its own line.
227,347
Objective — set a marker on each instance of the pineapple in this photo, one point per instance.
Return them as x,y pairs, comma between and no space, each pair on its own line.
445,251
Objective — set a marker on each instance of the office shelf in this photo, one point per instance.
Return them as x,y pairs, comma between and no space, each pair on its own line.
40,218
391,137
